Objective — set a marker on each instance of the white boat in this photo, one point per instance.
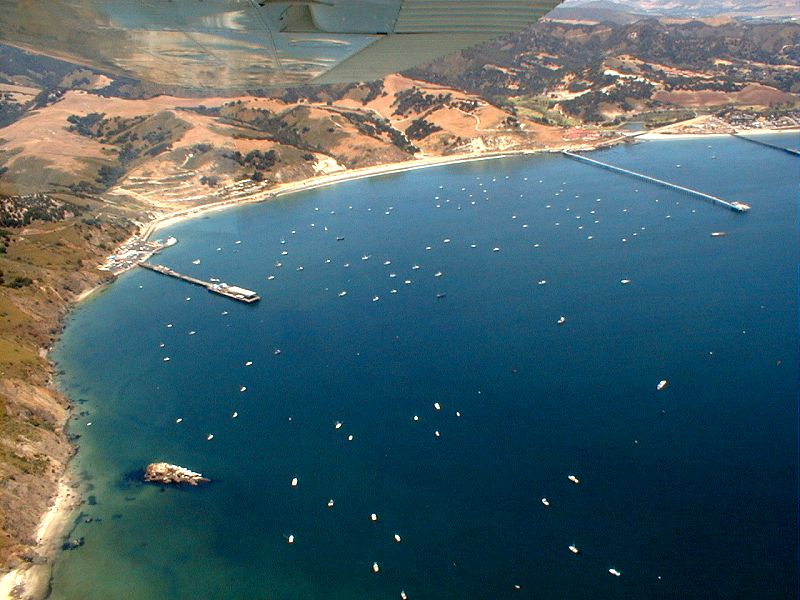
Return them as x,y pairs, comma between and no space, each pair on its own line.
294,482
574,549
342,294
210,437
248,363
375,298
365,257
300,268
662,384
196,261
625,281
437,274
290,539
718,234
337,425
179,420
166,359
403,595
561,320
375,567
243,389
285,253
386,263
397,538
614,572
573,479
495,249
234,415
415,267
545,501
373,517
437,406
330,503
541,282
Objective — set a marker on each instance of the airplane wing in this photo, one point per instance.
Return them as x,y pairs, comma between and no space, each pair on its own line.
241,44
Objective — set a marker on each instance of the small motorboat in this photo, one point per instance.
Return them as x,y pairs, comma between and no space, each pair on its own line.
573,479
662,384
561,320
545,501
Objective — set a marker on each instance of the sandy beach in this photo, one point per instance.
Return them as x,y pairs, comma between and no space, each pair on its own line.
320,181
666,134
32,580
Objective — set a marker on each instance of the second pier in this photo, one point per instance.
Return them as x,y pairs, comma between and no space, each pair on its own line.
734,206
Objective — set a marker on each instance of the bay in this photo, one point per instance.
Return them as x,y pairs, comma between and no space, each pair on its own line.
689,492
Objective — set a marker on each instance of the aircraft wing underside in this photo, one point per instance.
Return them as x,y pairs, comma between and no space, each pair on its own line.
240,44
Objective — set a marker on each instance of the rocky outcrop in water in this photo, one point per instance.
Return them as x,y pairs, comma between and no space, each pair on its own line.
172,474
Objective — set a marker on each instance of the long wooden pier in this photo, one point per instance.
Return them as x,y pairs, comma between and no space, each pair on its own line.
734,206
791,151
223,289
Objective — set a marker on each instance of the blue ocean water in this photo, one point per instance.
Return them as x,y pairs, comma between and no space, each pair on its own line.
688,492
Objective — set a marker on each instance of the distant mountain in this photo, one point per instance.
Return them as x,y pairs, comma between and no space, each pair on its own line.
683,8
560,72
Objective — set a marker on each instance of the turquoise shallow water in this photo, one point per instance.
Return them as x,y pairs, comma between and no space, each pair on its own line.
689,492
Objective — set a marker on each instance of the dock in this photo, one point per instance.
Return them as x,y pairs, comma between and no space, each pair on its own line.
233,292
739,207
791,151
